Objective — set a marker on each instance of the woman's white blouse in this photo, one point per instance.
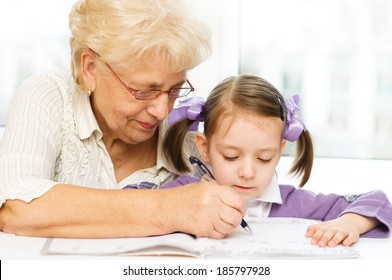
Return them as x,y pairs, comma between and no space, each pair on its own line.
52,136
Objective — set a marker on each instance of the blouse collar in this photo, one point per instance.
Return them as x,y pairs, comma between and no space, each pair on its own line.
271,193
86,125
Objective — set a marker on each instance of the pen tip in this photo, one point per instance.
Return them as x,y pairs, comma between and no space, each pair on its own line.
246,226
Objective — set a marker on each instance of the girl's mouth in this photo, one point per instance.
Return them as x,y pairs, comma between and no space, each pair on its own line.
243,188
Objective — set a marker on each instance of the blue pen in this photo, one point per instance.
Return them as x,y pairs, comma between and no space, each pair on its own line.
205,174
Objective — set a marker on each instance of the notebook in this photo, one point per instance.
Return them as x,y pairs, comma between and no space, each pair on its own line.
272,238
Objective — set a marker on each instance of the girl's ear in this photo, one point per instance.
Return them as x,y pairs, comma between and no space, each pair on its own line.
202,145
88,66
282,146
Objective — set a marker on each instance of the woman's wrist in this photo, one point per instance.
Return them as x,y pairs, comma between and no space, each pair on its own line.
165,210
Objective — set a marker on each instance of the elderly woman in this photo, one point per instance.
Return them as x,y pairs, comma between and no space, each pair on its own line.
74,140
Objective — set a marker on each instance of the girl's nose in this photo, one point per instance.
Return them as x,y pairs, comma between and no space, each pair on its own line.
247,170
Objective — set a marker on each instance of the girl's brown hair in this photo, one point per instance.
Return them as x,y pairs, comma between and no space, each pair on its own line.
247,93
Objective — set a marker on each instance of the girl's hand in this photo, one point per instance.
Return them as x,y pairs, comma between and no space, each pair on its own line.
343,230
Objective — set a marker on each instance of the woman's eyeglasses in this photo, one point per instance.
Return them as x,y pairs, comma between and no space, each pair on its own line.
151,94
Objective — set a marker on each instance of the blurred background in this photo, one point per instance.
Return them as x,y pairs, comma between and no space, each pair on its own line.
335,54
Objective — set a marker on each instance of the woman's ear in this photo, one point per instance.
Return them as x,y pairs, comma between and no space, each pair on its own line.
202,145
88,66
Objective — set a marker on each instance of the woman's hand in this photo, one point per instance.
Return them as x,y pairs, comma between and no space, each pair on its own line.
202,209
343,230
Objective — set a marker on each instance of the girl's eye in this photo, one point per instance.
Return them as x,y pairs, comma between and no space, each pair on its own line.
265,160
230,158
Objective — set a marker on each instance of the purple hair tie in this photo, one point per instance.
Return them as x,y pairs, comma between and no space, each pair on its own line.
294,125
191,108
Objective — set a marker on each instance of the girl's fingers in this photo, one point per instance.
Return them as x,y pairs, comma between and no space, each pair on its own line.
339,236
351,239
326,235
323,237
310,230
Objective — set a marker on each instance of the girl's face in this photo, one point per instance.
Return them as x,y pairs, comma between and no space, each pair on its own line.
120,115
244,152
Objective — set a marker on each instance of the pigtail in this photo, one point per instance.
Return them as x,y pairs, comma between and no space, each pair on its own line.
184,118
295,131
173,142
303,161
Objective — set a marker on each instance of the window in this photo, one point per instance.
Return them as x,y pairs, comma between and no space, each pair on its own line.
34,38
335,54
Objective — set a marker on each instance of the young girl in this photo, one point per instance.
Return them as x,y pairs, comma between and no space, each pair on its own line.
246,125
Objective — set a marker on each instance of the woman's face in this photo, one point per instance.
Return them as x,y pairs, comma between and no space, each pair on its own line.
119,114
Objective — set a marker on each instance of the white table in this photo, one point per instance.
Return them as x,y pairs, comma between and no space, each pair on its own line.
20,247
21,256
344,176
21,259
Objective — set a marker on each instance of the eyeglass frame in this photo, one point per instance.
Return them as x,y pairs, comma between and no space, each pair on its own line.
158,92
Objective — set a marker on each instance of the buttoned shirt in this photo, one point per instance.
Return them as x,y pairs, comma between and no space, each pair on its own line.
52,137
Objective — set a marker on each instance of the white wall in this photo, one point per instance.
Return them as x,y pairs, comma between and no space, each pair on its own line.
342,176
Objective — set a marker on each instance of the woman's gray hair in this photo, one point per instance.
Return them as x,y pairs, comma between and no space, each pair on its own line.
138,31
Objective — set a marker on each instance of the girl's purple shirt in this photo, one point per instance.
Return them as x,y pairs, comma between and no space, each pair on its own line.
300,203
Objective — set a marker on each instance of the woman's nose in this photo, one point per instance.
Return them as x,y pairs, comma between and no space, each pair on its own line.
159,107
